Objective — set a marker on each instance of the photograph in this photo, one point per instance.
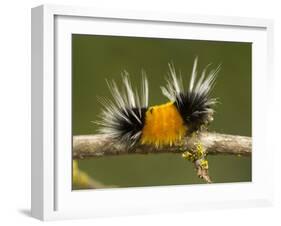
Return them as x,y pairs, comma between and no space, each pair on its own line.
150,111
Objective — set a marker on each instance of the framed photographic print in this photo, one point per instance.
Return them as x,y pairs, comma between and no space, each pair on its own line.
136,112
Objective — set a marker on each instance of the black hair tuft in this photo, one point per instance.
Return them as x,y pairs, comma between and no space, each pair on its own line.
194,104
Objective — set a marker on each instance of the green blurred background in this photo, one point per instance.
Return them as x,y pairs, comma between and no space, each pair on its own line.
96,58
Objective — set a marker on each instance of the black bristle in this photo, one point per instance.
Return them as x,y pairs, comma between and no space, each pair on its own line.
131,126
195,109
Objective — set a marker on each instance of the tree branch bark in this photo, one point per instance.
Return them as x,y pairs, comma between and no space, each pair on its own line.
86,146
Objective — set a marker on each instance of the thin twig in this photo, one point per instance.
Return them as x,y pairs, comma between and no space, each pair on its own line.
86,146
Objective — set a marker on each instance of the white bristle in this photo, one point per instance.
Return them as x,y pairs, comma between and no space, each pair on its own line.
201,86
122,107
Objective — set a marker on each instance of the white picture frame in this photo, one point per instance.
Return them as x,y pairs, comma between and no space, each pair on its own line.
52,197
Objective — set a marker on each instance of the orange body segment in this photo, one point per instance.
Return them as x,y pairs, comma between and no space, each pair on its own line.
163,125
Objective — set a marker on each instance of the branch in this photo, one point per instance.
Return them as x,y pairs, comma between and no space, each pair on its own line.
85,146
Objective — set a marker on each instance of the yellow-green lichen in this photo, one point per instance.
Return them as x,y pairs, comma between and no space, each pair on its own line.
203,164
188,156
198,153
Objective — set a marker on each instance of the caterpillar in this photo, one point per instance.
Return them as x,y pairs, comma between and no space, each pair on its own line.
127,116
